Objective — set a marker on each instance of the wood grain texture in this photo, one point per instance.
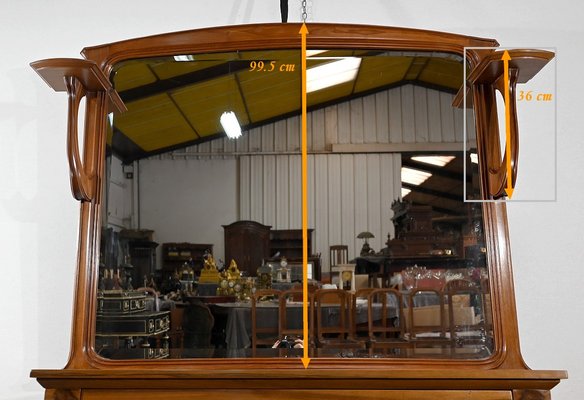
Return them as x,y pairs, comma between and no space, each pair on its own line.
62,394
531,395
297,395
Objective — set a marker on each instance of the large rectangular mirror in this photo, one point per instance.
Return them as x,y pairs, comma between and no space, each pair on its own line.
201,236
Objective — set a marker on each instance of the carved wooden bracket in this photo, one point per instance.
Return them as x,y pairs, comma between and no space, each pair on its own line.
486,79
82,78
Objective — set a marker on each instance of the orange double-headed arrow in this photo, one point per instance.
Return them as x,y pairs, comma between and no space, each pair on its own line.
305,359
509,187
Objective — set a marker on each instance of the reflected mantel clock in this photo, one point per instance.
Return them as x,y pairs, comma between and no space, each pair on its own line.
418,56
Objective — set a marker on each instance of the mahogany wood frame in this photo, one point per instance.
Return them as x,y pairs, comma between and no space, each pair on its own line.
502,376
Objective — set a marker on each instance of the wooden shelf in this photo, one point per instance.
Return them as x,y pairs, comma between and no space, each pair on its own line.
289,242
184,252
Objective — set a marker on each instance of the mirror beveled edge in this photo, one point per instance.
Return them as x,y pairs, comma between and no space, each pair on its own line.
506,353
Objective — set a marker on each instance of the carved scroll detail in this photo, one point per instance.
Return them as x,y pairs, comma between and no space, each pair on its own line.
497,163
82,183
486,79
82,78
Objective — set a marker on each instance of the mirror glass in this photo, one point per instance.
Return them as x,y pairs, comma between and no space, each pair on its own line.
201,242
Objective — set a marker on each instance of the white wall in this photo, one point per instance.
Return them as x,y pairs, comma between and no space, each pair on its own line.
39,217
188,200
120,196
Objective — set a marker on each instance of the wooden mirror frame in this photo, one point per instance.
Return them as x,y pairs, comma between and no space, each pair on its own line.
504,375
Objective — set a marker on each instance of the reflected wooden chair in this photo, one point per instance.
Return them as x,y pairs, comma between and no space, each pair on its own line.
427,323
338,254
333,315
487,311
386,322
284,323
360,330
198,322
262,334
465,303
297,288
176,333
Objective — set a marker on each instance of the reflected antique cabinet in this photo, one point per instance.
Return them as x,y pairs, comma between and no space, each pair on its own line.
501,375
248,243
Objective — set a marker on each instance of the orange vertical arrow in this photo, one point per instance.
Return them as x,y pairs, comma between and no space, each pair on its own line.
509,188
305,359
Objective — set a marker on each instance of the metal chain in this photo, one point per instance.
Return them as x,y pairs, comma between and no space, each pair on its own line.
304,13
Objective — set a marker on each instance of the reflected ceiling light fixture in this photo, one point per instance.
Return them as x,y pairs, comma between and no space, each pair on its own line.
333,73
474,158
230,125
183,58
312,53
414,176
439,161
405,192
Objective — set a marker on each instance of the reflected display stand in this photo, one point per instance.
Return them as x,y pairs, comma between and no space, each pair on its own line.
503,375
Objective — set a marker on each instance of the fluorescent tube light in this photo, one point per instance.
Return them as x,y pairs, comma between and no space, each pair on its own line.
414,176
474,158
230,124
332,73
439,161
184,58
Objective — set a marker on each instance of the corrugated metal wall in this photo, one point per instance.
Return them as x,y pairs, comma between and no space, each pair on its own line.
348,193
407,114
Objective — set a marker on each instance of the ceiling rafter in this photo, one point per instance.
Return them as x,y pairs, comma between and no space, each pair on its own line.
440,210
432,192
180,81
434,170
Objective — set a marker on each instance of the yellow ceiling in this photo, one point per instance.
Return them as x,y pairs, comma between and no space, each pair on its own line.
172,104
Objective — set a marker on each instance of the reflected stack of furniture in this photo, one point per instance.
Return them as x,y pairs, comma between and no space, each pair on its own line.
250,243
142,251
122,316
417,242
416,236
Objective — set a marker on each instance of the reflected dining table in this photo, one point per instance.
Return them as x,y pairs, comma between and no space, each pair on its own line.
238,321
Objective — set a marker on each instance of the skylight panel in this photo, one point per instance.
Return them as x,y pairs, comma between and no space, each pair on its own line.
414,176
331,74
439,161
